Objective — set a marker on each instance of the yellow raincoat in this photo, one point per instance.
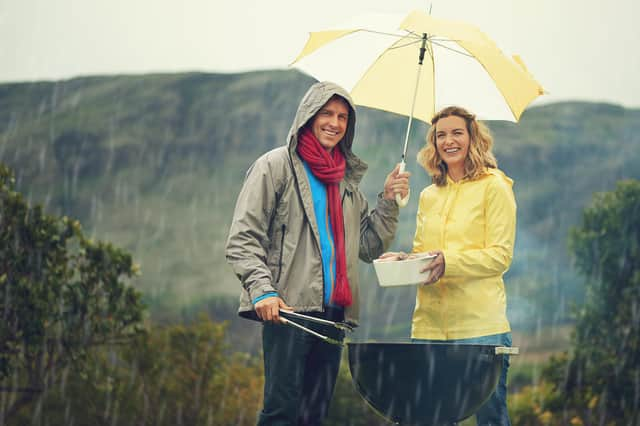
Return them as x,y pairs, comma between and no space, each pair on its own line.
473,222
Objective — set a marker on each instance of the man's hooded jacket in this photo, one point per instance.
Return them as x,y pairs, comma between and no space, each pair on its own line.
274,244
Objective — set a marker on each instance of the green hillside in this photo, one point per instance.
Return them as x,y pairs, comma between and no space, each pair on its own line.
153,163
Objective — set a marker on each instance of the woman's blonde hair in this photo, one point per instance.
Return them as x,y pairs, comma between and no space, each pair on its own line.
478,158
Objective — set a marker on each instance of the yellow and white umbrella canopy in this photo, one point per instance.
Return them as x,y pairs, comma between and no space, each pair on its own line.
377,62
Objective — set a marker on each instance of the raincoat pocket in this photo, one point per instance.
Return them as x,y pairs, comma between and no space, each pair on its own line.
276,255
283,233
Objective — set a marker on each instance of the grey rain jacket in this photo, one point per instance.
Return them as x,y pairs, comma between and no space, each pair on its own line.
273,242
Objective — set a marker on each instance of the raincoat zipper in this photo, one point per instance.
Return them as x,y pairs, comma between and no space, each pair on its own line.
284,228
452,198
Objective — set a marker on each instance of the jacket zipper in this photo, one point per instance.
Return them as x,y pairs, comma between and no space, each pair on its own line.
284,227
343,197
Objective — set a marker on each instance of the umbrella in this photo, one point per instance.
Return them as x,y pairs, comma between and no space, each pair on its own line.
416,70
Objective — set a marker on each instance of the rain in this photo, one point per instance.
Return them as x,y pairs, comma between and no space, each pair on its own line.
119,307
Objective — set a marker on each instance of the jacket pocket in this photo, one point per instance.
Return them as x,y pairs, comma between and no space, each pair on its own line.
284,230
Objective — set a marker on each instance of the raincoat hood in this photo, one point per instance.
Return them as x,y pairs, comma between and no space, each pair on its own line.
500,174
489,171
315,98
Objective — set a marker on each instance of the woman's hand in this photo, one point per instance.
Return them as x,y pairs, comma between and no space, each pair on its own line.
435,267
392,256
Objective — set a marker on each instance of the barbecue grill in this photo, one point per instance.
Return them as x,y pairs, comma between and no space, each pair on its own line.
418,383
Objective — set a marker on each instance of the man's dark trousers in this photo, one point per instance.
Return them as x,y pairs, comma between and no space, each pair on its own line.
300,371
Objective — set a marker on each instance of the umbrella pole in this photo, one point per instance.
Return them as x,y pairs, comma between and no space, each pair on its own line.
403,201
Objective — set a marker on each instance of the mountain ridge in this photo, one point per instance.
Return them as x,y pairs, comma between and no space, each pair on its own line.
153,163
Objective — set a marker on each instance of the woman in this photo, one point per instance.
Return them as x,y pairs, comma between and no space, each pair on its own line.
467,217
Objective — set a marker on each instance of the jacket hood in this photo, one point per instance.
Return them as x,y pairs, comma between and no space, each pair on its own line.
501,175
318,95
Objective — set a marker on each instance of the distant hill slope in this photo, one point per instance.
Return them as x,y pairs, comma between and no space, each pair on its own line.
153,163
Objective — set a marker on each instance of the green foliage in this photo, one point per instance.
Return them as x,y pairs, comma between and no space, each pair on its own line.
60,295
528,407
607,341
174,375
597,383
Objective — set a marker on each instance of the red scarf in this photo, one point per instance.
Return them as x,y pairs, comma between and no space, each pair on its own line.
329,168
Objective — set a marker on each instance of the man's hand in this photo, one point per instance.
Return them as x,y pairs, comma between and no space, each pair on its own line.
396,183
435,267
269,309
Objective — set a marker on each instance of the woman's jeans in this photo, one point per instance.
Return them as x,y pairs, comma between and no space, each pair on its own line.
494,411
300,371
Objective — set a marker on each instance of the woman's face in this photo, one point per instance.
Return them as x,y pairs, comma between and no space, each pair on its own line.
452,141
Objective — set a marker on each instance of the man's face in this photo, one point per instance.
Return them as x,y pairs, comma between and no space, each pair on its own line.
330,123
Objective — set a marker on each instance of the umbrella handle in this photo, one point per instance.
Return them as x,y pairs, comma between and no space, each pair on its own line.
402,202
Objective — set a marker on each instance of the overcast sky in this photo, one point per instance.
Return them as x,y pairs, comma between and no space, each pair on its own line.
577,49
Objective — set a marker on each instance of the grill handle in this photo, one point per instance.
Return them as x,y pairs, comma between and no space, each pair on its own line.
506,350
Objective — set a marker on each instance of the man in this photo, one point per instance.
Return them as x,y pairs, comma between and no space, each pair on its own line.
299,226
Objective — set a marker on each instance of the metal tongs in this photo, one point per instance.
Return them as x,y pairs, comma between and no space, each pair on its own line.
339,325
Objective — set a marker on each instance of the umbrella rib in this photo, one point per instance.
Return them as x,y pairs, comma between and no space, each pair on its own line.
433,72
452,49
436,41
444,39
404,45
430,50
389,34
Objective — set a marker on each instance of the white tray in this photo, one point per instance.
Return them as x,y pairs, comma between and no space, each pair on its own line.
393,273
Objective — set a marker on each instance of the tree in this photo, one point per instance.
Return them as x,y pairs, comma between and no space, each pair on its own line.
173,375
600,381
60,295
